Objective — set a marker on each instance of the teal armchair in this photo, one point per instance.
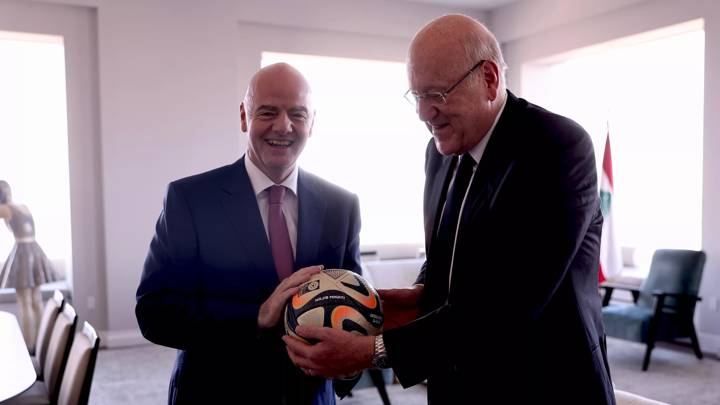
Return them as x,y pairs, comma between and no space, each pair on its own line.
664,304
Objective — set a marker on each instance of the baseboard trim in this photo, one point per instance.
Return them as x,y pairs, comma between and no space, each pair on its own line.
709,343
112,339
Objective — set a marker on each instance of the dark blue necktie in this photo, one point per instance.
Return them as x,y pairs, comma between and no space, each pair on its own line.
445,237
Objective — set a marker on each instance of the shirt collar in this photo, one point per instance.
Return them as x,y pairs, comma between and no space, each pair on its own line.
260,182
477,151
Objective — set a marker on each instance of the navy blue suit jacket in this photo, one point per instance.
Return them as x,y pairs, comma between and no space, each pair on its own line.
208,270
521,322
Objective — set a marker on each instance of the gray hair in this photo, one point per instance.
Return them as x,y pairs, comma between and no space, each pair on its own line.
484,47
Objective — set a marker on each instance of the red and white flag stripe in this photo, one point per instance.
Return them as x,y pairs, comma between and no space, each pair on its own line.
610,259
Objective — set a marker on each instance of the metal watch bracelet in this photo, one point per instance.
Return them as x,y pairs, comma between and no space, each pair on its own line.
380,357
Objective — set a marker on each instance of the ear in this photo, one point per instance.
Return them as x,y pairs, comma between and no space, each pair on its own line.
312,123
491,78
243,117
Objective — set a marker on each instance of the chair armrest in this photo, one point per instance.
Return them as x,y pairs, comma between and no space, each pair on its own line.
626,287
683,299
676,295
659,304
610,287
686,300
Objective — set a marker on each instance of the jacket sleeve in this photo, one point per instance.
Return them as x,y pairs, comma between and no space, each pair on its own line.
173,309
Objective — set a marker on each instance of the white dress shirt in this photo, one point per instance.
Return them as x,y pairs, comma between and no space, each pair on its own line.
261,183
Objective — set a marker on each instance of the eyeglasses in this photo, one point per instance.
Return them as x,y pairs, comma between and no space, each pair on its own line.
438,97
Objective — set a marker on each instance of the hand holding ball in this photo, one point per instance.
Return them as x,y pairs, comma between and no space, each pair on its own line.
338,299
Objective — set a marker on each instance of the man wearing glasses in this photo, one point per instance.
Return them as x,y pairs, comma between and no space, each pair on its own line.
506,307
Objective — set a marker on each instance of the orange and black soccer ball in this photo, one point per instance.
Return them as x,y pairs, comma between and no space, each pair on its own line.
338,299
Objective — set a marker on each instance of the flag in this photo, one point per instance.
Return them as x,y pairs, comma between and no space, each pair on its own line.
610,262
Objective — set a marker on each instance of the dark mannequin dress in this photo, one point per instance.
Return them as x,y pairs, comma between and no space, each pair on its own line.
27,266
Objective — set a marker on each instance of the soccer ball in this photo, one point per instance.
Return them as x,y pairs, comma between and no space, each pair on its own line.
337,299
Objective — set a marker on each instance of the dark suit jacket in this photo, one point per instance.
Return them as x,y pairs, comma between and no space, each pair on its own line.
522,322
208,270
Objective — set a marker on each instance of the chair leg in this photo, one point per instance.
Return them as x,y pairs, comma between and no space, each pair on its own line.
646,360
652,330
377,379
695,342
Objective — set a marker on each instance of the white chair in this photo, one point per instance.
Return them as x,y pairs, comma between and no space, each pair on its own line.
46,392
77,379
47,321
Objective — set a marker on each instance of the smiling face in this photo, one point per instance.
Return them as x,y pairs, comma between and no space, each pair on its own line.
438,59
458,124
278,118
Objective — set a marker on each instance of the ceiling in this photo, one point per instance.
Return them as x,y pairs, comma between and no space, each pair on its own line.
468,4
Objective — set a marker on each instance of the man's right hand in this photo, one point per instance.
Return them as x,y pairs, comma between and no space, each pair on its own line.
271,310
400,305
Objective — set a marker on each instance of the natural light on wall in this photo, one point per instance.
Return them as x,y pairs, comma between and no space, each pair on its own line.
649,90
367,139
33,135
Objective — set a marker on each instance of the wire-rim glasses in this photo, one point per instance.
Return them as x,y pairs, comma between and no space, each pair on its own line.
438,97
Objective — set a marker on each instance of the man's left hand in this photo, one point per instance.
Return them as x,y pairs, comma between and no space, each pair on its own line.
336,353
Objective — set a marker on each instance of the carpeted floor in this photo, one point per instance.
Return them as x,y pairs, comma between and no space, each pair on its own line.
140,376
675,375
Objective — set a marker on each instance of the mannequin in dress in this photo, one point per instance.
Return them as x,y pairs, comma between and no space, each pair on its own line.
27,266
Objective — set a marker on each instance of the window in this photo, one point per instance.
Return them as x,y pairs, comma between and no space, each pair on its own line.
367,139
33,135
649,90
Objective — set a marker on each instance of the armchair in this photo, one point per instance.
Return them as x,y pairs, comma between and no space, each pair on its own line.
664,305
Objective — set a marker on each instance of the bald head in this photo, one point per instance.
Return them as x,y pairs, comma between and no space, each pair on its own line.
278,79
455,72
457,42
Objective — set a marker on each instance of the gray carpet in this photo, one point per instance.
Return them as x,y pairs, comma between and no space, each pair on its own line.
140,376
675,375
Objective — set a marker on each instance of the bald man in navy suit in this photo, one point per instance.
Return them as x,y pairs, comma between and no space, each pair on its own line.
211,286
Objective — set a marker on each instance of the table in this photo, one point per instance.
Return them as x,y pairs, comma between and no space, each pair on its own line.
16,369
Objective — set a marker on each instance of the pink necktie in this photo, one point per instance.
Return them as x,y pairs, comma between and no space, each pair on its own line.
279,236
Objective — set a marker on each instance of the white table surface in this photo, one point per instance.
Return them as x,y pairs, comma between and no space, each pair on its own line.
16,369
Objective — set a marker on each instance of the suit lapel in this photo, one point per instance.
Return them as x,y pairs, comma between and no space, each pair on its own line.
495,165
437,189
242,210
311,218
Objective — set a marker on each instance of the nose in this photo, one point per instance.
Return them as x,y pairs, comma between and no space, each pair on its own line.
426,110
282,124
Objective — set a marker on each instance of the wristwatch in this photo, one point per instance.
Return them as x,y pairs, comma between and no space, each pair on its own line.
380,357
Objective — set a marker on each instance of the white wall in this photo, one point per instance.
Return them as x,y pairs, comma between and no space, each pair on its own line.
571,24
171,76
169,104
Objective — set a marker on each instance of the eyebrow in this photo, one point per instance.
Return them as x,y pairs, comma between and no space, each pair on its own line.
299,109
291,109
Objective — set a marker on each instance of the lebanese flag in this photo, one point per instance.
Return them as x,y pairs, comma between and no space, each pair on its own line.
610,262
